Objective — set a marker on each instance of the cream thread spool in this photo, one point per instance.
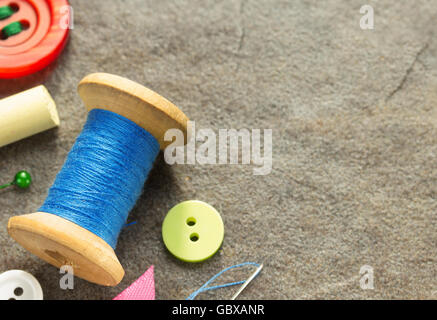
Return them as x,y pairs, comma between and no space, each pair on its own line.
25,114
61,242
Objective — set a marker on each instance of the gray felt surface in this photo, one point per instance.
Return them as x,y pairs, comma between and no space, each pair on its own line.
354,119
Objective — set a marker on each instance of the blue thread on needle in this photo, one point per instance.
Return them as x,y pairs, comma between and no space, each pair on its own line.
205,287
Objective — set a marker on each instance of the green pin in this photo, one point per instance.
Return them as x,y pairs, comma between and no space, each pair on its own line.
22,180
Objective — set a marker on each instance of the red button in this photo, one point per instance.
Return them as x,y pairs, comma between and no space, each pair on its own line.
40,43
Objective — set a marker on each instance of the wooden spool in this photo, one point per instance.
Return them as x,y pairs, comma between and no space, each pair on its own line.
61,242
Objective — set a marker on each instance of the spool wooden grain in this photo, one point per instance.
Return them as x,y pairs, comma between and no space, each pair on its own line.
61,242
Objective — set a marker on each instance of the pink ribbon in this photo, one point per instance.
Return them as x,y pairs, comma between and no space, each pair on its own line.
142,289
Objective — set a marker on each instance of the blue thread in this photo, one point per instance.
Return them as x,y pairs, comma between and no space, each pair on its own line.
129,224
103,175
206,288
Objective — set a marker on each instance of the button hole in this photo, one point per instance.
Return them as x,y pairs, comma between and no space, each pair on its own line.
18,291
191,221
15,7
25,24
194,237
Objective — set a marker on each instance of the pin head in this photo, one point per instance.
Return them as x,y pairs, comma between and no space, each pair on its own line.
22,179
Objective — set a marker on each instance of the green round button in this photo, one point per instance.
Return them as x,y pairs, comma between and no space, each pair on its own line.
193,231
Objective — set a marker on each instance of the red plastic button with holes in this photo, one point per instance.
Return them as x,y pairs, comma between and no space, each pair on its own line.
43,35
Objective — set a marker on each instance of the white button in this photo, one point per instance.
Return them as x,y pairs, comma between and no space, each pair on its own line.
19,285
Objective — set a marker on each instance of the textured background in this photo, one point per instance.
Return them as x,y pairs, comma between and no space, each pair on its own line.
354,114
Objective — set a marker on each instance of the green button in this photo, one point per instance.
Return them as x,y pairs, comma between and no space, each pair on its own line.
193,231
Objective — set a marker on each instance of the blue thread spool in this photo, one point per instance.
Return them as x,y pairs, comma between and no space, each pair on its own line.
77,225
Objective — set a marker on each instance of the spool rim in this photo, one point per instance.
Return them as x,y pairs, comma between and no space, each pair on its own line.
61,242
146,108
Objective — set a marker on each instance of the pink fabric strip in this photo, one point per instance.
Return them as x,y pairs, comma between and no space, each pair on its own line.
142,289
